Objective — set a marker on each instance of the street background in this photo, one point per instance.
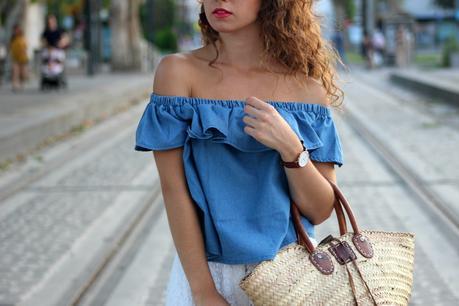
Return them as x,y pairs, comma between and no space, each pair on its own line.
82,220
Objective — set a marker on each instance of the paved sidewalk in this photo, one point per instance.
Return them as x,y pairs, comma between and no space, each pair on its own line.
444,77
32,118
379,199
58,230
381,202
425,144
55,232
440,84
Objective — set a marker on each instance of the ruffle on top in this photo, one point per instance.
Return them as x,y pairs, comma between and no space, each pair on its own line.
242,198
169,121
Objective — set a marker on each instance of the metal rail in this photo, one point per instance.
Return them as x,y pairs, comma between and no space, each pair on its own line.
440,213
121,253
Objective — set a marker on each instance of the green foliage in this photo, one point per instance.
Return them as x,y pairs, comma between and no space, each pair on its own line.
166,40
106,4
428,60
355,58
62,7
143,17
349,8
184,27
163,14
159,23
451,46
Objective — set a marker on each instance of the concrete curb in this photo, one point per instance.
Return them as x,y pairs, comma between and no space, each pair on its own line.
84,108
431,88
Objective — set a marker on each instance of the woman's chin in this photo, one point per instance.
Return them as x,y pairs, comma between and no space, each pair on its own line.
226,28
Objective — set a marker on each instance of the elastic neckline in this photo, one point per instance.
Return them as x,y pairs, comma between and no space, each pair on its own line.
290,105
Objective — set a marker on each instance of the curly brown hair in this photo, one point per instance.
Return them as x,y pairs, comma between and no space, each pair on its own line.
292,36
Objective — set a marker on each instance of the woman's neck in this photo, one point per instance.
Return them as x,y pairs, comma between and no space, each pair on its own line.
241,49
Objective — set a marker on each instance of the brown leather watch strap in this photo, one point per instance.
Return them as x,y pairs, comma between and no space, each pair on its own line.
293,164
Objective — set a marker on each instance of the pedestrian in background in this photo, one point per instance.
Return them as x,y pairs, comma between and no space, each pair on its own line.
3,53
20,60
231,125
338,43
379,44
404,46
53,36
368,50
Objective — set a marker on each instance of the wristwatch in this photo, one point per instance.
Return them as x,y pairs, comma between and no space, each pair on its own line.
300,161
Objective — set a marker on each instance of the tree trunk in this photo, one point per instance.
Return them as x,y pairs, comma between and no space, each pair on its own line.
126,35
340,14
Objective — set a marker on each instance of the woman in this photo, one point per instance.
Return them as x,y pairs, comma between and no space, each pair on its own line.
18,50
220,121
368,50
53,36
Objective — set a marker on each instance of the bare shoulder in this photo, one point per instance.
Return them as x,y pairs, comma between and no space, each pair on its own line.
177,72
173,75
316,92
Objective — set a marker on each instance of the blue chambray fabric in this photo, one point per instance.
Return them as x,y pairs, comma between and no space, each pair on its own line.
237,182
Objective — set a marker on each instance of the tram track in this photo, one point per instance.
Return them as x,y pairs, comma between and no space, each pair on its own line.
114,243
97,284
98,287
55,158
439,211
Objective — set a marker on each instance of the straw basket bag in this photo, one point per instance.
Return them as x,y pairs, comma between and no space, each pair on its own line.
358,268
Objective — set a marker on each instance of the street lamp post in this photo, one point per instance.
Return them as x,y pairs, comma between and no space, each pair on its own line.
456,14
368,14
92,34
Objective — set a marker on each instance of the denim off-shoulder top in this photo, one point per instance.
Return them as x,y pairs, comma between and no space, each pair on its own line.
238,184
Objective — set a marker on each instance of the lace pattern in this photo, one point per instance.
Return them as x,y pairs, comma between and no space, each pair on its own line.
226,278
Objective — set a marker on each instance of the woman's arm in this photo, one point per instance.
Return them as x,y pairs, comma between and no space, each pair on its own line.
64,41
183,220
311,191
43,40
308,186
171,78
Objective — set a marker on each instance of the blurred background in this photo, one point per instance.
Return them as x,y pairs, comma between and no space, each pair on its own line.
82,220
425,30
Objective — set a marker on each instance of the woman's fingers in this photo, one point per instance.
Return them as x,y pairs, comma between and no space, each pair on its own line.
250,121
259,109
255,112
259,104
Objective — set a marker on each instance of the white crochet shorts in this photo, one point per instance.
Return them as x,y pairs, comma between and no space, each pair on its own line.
226,278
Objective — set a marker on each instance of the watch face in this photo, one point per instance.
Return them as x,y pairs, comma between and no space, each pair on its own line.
303,160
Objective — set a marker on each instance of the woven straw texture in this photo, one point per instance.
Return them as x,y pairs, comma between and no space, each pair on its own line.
291,279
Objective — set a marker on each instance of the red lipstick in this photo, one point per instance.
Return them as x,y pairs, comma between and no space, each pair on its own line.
221,13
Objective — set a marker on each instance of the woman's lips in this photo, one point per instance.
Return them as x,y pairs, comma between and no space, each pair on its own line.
221,13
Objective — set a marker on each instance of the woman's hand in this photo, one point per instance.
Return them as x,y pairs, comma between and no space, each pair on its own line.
210,299
267,126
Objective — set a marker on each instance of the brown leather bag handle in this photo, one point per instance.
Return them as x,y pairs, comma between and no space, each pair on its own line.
340,202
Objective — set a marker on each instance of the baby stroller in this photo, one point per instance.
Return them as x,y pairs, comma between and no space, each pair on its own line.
53,69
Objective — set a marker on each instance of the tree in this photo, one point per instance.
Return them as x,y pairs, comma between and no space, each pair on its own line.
126,35
343,10
163,14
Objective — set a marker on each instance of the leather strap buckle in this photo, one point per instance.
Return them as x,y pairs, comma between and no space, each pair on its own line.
342,252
